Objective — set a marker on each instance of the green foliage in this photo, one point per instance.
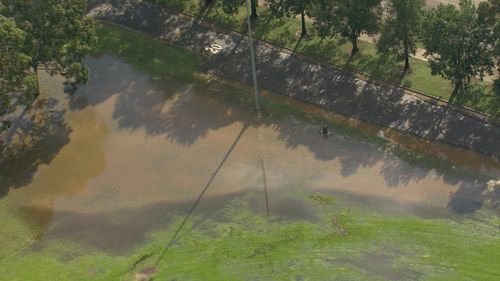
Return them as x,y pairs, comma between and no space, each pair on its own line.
459,46
291,8
489,19
233,7
322,199
13,66
401,28
52,34
349,18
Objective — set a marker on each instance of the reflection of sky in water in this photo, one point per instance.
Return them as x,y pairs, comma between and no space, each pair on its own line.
126,155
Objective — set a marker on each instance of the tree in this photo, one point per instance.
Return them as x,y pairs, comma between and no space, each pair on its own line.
349,18
401,28
58,36
232,6
458,46
291,8
489,19
13,63
13,67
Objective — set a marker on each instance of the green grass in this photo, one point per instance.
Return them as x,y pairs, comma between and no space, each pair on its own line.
158,59
284,32
246,245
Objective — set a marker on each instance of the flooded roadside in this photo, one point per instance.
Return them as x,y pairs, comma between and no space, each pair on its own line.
131,153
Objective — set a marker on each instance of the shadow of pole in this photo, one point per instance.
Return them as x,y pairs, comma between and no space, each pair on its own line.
188,215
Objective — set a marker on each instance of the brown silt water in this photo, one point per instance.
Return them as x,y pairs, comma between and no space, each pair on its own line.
123,154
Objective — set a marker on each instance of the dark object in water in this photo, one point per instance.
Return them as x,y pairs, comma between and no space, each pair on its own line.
324,131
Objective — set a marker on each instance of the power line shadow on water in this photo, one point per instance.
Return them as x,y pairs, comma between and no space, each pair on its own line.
204,190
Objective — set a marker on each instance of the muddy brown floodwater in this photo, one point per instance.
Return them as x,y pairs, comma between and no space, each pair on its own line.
127,151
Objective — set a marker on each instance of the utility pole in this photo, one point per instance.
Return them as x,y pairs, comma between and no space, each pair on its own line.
257,106
252,56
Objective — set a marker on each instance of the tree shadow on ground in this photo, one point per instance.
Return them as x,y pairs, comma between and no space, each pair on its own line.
481,97
274,29
472,196
39,138
381,66
323,49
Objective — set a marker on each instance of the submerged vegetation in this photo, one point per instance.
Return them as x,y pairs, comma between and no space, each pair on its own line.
337,240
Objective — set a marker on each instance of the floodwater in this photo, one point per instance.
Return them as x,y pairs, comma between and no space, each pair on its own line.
114,161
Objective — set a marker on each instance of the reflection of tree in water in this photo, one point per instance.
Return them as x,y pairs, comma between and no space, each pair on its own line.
37,140
184,117
46,134
471,197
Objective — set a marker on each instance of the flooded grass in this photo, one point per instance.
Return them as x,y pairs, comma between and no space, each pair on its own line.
344,243
357,213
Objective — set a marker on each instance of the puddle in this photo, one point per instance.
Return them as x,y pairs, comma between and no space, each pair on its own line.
132,153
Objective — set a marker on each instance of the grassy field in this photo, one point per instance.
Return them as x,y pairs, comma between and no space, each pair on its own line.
285,32
330,238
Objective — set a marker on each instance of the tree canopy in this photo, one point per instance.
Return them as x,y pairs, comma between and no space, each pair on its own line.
401,28
13,66
52,34
459,47
232,6
489,18
291,8
349,18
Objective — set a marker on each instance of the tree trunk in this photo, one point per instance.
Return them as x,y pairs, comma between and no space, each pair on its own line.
36,91
304,31
456,90
354,42
254,9
407,58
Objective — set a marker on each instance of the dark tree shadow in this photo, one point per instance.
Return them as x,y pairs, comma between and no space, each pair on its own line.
38,139
471,197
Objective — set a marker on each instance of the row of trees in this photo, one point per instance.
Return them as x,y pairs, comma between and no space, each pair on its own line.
52,34
461,42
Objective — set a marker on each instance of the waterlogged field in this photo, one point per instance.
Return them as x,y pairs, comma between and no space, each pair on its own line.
327,240
103,181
